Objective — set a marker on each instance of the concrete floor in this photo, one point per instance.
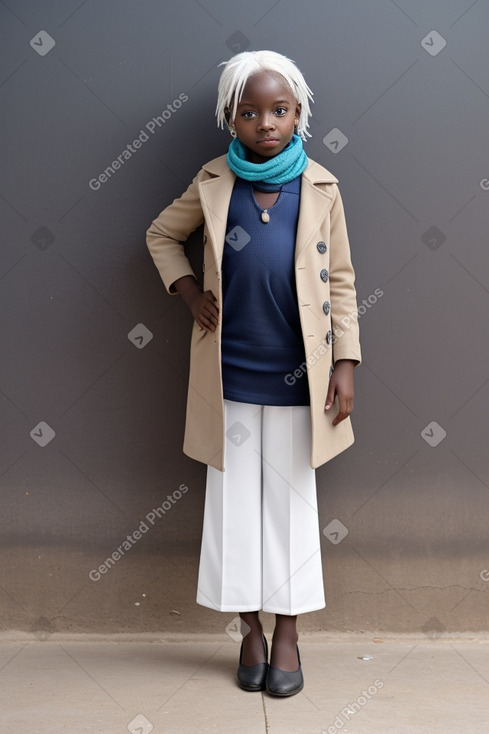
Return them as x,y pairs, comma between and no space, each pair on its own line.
183,685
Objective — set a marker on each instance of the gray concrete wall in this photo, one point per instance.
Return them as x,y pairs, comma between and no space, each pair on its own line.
94,354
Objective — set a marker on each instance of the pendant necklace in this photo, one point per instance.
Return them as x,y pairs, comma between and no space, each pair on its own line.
266,189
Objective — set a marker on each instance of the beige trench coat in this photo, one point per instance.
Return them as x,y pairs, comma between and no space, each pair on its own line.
325,292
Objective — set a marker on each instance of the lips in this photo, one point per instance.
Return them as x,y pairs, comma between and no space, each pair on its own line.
268,141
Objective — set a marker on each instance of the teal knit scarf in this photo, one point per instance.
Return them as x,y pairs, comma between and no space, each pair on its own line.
280,169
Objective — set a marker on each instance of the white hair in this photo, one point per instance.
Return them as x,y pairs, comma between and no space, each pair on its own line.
241,67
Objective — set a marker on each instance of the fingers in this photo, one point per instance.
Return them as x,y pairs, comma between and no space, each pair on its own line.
330,396
345,400
207,312
345,409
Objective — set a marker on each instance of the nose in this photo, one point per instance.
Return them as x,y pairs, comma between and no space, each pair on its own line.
267,122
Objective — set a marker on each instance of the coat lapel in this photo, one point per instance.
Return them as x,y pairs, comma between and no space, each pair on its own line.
215,195
314,206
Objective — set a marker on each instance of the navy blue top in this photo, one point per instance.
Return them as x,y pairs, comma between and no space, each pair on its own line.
261,333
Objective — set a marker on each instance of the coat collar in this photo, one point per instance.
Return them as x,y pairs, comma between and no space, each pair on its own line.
316,198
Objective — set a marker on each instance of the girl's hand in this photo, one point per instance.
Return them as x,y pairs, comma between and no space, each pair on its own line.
201,304
205,311
341,384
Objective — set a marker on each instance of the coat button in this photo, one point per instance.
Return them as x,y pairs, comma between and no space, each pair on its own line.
324,275
331,370
326,307
205,239
321,246
328,337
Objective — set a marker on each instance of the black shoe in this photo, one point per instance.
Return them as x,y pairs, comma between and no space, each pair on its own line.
284,682
253,677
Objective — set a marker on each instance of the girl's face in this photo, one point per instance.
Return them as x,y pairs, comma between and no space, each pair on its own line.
266,115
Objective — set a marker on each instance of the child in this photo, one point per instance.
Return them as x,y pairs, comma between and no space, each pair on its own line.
273,349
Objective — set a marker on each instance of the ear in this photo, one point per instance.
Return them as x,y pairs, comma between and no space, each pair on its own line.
227,114
298,111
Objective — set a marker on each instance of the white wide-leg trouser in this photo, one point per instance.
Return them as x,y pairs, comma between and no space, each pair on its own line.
261,542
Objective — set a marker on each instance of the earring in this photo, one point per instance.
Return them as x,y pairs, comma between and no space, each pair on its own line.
232,131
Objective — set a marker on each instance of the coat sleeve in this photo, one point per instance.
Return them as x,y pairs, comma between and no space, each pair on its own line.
344,312
170,229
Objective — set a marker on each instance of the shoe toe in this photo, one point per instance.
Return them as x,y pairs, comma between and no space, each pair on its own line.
252,677
283,682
